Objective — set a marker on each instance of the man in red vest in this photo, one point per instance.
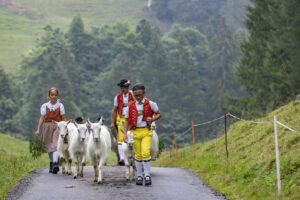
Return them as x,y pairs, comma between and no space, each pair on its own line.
121,101
138,118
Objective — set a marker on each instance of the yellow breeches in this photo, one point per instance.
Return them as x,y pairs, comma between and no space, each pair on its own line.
142,143
121,135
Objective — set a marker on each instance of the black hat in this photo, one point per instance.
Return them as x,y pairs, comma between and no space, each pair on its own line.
124,83
138,86
78,119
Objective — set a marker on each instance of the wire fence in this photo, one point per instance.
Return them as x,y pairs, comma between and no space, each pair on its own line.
225,116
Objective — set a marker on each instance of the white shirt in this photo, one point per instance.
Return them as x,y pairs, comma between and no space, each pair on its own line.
140,107
125,101
52,107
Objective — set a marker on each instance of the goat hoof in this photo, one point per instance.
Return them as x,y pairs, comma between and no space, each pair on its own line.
69,173
75,177
99,182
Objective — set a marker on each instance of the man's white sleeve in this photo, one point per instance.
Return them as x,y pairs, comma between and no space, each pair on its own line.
154,106
115,101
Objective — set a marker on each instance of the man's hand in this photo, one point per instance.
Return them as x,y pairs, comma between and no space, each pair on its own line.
112,126
150,120
125,138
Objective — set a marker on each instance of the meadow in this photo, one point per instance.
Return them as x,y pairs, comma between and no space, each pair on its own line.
22,21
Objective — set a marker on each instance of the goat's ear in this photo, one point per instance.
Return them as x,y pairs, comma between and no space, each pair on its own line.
101,121
68,122
88,122
54,121
76,124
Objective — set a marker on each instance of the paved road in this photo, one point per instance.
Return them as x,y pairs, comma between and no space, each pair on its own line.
168,183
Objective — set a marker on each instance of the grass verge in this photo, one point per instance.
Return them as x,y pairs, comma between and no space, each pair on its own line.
250,171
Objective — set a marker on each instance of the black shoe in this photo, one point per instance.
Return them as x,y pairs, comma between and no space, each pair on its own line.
121,163
148,180
55,168
51,167
139,180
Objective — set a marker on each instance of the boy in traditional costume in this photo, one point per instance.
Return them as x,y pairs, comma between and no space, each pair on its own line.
121,101
139,115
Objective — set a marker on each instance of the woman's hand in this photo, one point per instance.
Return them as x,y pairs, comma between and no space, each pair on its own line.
37,133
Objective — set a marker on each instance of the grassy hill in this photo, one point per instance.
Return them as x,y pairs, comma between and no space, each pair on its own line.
21,21
250,171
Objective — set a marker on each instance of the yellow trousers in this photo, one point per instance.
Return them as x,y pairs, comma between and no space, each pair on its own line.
121,135
142,143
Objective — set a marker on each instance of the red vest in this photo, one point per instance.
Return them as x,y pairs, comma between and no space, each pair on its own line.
53,115
120,101
133,112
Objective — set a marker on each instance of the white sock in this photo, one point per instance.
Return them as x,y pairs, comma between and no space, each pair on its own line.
147,168
50,156
120,151
55,157
139,168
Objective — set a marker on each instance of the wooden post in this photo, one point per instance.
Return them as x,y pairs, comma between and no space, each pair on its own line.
175,143
163,157
173,147
194,147
225,127
277,157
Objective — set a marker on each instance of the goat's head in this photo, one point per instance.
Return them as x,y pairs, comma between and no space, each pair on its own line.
95,129
82,131
153,126
62,128
130,138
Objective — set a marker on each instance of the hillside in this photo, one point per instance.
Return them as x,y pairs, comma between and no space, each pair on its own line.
250,172
22,21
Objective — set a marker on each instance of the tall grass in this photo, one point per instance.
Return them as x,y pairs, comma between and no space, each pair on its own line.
15,162
250,171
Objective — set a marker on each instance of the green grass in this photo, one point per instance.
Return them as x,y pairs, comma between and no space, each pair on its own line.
15,162
250,171
22,21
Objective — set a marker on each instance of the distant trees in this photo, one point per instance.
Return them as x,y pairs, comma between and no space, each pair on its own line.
269,69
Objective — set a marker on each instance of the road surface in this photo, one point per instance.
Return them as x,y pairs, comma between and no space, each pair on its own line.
167,183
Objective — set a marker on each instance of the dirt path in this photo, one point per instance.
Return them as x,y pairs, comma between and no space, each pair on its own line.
168,183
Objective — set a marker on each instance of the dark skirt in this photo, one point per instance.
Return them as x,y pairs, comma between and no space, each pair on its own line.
50,136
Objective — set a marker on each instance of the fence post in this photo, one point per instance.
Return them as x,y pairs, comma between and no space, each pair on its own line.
175,144
164,158
194,148
173,147
225,128
277,156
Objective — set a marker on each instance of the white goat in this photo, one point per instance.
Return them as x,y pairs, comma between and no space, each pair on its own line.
77,147
129,156
63,145
99,146
154,143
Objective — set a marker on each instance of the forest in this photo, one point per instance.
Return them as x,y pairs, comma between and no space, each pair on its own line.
206,64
